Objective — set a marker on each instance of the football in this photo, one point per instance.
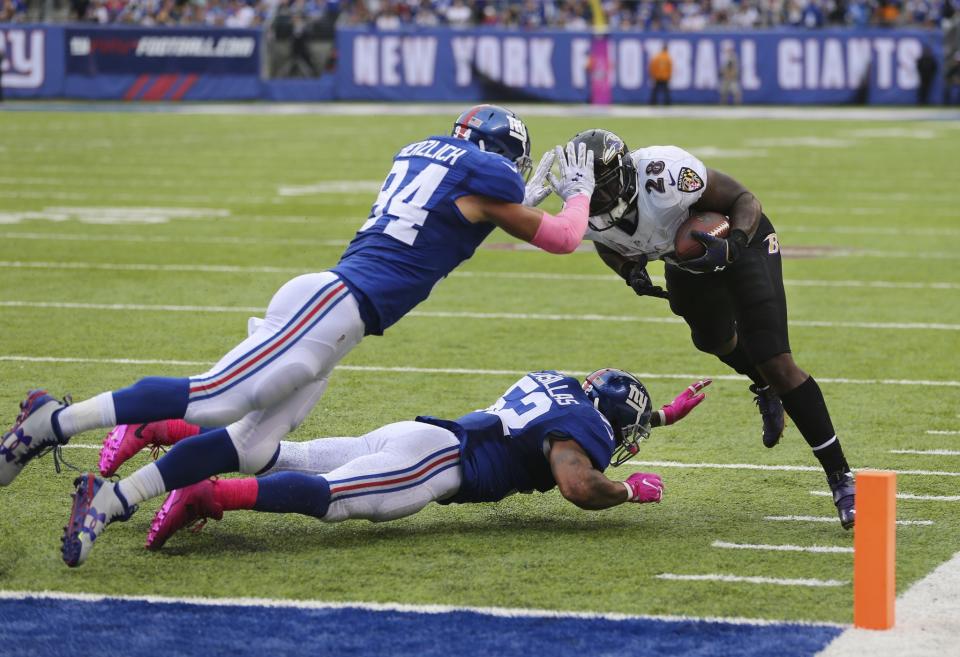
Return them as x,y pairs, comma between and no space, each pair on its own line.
685,247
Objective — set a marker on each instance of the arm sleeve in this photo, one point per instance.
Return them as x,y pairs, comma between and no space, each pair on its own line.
494,176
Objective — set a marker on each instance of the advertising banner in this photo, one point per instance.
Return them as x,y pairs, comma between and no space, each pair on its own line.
32,61
162,63
776,67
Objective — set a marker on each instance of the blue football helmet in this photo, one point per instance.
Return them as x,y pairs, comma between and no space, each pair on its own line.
496,130
622,399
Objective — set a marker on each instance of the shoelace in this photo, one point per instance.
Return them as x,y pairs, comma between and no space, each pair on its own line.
156,449
41,451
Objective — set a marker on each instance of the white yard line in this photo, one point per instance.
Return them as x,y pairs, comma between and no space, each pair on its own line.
500,612
460,371
736,579
803,252
935,432
926,452
160,239
235,269
773,468
870,230
832,519
927,621
904,496
446,314
825,549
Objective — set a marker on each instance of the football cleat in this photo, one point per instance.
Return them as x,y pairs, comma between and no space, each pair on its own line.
32,434
771,412
125,440
184,507
844,495
96,503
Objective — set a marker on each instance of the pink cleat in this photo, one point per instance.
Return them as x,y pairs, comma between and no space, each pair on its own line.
184,507
125,440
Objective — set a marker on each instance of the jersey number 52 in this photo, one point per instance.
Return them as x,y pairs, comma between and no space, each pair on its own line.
402,206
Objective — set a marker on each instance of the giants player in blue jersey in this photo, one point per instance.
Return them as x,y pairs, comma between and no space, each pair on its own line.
547,430
441,198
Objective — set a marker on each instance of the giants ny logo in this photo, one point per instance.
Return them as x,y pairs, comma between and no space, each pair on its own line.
636,399
21,53
517,129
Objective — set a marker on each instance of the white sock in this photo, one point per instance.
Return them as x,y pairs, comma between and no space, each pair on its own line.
318,456
144,484
94,413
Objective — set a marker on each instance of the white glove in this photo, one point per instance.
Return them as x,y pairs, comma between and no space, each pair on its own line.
538,189
576,171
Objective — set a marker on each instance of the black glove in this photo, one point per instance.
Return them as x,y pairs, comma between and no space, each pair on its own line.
720,252
634,272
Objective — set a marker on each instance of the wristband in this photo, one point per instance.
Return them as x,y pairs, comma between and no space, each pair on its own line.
629,490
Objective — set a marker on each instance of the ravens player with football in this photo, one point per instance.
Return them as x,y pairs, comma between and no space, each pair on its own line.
547,430
441,198
732,298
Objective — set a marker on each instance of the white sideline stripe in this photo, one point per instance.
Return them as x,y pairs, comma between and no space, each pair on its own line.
788,468
454,370
736,579
447,314
934,432
926,452
805,252
80,446
834,519
562,110
826,549
236,269
500,612
868,230
905,496
927,621
160,239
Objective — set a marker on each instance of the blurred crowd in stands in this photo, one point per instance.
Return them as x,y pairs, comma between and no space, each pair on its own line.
682,15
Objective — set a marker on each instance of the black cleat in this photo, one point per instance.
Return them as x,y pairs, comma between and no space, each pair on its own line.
771,411
844,495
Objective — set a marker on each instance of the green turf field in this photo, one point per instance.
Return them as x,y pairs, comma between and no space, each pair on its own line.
871,207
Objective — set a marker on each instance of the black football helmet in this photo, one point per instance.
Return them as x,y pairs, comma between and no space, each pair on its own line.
612,203
622,399
497,130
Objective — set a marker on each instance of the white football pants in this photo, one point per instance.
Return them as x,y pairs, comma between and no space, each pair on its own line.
265,386
389,473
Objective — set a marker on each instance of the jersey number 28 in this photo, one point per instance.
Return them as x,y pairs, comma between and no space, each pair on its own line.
403,209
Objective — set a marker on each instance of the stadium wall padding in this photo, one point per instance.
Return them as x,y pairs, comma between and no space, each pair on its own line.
783,67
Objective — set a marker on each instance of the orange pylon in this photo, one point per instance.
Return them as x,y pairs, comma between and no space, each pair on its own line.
874,550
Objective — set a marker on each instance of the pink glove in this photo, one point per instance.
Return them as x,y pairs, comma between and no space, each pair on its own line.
685,402
644,487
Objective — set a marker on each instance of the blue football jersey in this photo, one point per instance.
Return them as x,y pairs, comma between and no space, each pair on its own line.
415,234
503,449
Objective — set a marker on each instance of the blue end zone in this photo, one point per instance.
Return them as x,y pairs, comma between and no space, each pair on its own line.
47,628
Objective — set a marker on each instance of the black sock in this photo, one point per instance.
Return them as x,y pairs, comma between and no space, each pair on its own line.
740,362
806,407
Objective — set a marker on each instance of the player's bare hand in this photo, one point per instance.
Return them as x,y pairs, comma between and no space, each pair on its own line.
685,402
644,487
538,188
575,164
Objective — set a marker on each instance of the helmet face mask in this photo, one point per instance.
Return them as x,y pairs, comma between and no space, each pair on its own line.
623,401
497,130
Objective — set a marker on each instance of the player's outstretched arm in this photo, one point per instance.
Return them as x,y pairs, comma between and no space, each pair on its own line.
561,233
582,484
681,406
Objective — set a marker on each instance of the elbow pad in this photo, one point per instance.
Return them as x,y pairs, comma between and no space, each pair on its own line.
564,232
